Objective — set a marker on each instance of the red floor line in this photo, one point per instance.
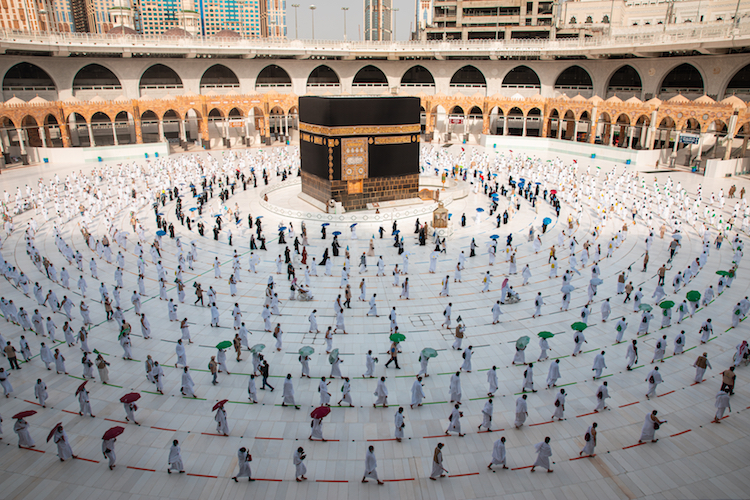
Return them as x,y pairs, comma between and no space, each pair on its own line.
375,440
71,412
31,449
118,421
264,479
438,436
212,434
491,430
269,438
330,481
632,446
87,460
469,474
163,428
396,480
32,402
696,383
327,440
629,404
578,458
683,432
201,475
141,468
519,468
586,414
660,395
541,423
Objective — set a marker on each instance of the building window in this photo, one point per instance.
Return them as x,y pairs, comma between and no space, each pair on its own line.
589,20
605,19
572,20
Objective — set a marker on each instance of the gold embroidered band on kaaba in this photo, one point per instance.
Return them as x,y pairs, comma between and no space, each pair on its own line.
360,130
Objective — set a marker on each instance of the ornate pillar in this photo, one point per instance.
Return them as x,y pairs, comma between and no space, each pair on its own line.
161,129
523,134
21,144
611,134
183,135
64,135
505,124
730,136
575,130
559,128
485,124
203,125
91,134
138,131
43,135
593,125
700,146
114,134
630,137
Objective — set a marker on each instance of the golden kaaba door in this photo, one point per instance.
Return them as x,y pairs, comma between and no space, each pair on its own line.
354,162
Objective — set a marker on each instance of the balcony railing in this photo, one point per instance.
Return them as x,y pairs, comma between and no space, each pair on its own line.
620,40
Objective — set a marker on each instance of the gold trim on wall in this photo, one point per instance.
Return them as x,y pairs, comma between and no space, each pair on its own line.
360,130
396,139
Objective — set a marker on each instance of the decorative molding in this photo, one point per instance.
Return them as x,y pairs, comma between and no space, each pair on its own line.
360,130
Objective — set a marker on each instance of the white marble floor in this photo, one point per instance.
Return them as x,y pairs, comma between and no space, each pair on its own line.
693,458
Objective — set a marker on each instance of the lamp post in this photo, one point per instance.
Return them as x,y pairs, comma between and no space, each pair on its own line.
296,34
393,16
312,11
344,9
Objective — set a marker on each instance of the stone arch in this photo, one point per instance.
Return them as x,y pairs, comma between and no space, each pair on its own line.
149,126
640,131
26,81
574,80
521,77
534,122
468,76
273,76
158,80
625,82
95,78
78,129
516,120
323,76
101,123
682,79
219,76
739,84
370,76
417,76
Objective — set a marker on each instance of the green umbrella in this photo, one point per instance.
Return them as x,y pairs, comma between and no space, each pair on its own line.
546,335
694,296
429,352
722,273
306,350
667,304
645,307
333,356
522,342
224,345
257,348
397,337
579,326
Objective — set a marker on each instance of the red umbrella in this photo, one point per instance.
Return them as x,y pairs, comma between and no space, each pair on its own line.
320,412
129,398
113,432
24,414
220,404
554,191
81,387
52,432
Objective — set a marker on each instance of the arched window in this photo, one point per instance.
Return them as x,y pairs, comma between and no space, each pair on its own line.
589,20
572,20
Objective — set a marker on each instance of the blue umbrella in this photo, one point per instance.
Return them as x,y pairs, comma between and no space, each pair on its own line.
522,179
182,183
216,215
480,210
336,233
259,217
161,233
195,196
353,225
495,195
282,228
326,224
160,214
193,209
512,183
396,231
494,237
537,183
547,220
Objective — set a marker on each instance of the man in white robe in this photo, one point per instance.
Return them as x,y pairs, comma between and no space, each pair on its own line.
554,374
653,378
299,467
40,392
454,421
521,411
721,404
528,379
498,454
437,463
371,465
599,365
487,415
174,461
369,366
188,386
622,325
381,392
544,451
700,367
417,393
455,388
559,405
288,392
496,312
466,366
602,394
398,420
222,427
492,381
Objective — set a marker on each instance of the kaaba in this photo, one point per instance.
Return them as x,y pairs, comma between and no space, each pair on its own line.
359,150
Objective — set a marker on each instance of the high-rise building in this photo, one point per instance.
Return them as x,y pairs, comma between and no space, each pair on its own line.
424,13
62,18
378,20
273,18
501,19
28,15
240,16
